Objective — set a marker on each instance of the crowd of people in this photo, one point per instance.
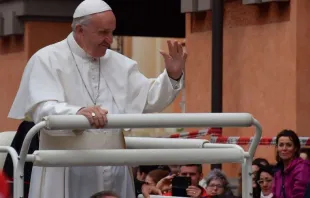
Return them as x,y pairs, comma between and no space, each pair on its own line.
288,178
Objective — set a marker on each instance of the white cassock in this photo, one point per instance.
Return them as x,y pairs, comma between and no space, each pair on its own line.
52,85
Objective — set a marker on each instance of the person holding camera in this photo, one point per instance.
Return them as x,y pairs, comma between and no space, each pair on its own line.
185,184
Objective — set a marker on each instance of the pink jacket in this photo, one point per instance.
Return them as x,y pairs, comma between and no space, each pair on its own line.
296,178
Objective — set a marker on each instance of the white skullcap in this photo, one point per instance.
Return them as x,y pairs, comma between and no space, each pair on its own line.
88,7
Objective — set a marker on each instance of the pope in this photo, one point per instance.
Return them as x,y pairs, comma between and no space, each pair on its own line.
80,75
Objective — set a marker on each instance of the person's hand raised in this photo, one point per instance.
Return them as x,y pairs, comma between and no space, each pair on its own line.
96,116
148,190
175,59
165,184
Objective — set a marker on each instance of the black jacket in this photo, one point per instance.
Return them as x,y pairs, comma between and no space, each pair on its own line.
307,193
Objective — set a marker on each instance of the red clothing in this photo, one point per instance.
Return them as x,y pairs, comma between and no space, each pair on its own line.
4,186
203,195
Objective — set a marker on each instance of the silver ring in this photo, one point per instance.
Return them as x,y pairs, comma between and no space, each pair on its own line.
93,114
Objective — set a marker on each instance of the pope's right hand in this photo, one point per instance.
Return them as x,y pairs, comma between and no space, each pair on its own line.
96,116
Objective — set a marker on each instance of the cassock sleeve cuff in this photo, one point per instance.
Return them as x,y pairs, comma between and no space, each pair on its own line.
177,85
53,108
74,109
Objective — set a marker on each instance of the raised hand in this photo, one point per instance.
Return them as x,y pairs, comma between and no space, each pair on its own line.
165,183
148,190
175,60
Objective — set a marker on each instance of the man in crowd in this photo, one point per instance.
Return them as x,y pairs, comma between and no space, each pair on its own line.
194,171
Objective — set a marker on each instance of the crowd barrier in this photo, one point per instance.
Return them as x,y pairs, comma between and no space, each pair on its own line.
215,137
164,151
264,141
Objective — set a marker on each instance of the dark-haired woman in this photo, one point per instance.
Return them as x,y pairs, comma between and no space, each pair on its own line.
256,166
264,179
293,173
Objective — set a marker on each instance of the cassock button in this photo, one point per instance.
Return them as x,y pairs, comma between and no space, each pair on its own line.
176,86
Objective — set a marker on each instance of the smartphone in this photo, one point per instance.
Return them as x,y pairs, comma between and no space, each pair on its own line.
179,186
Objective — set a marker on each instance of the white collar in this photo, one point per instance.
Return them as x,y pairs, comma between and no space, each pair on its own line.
266,196
76,48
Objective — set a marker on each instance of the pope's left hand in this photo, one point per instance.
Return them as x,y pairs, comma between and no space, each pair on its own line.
175,60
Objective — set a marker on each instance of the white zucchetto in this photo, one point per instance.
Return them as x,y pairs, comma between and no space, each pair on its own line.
88,7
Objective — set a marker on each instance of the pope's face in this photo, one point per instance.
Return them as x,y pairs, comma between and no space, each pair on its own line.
98,33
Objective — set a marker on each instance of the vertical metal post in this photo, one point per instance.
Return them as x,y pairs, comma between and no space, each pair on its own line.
217,60
20,169
14,156
247,189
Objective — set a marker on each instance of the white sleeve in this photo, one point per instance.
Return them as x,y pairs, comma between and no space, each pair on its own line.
176,84
162,92
53,108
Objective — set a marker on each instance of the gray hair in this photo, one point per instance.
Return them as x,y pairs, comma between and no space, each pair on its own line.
218,174
80,21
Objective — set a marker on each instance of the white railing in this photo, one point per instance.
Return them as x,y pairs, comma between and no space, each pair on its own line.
14,156
196,151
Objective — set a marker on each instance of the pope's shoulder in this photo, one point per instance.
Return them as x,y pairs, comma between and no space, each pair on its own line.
58,48
118,57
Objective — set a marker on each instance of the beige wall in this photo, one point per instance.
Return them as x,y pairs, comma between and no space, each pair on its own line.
144,51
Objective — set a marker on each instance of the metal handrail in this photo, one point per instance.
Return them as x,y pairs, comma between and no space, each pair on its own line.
140,121
163,143
14,156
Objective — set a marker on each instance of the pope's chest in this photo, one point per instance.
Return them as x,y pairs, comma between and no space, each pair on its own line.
84,78
71,73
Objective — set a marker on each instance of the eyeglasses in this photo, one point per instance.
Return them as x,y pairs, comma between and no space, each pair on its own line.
260,182
215,186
